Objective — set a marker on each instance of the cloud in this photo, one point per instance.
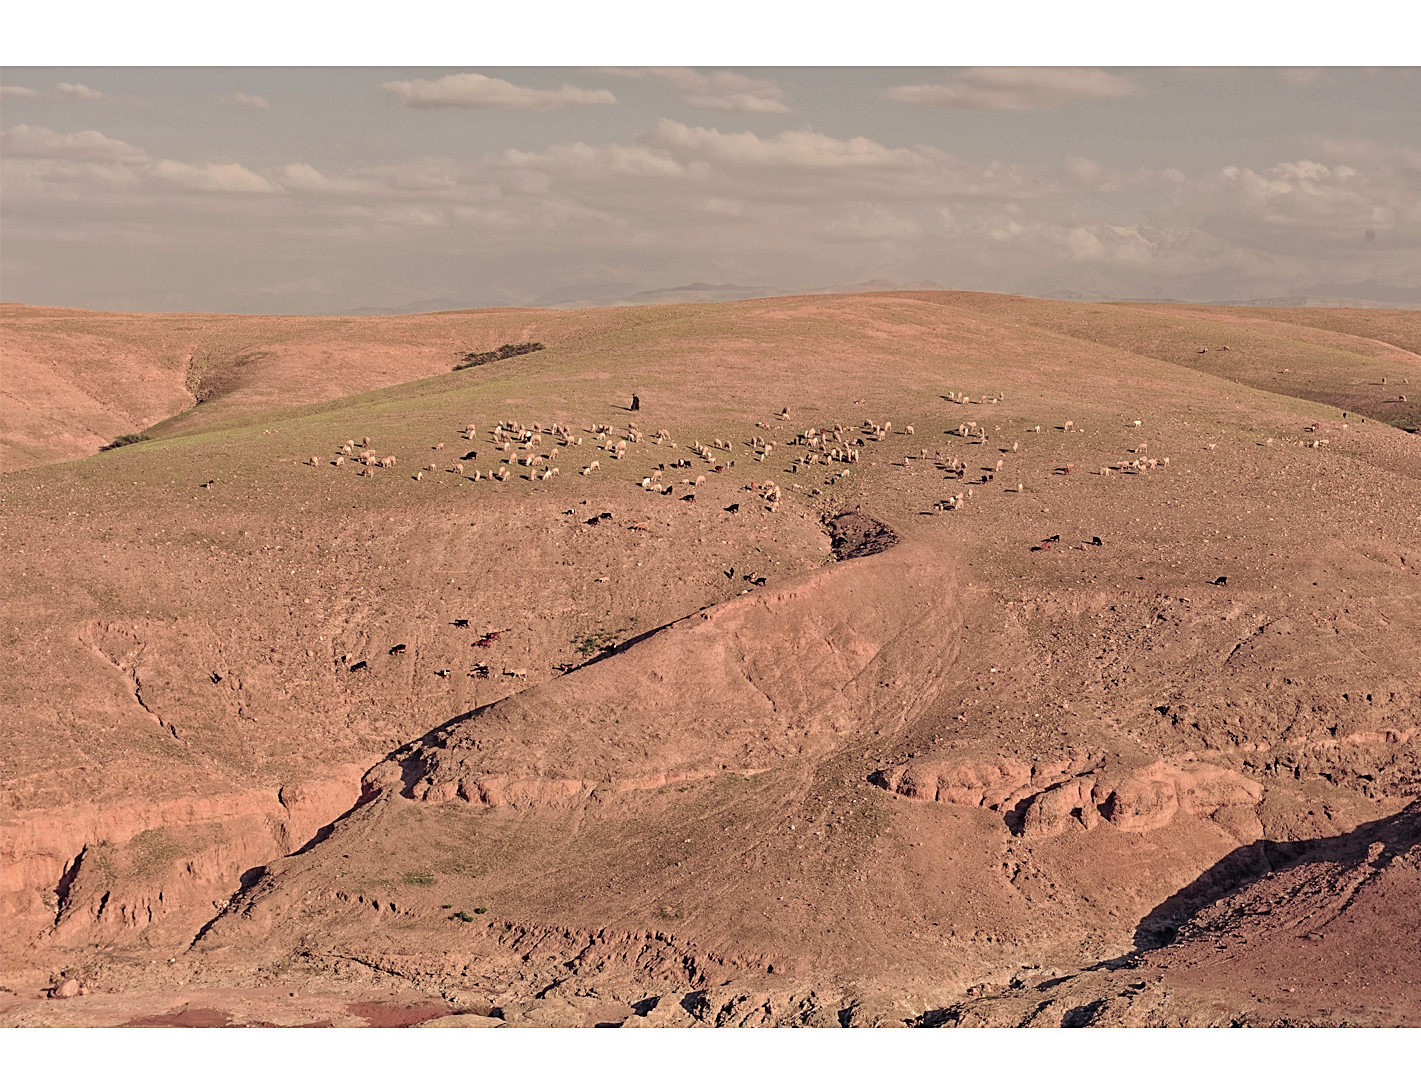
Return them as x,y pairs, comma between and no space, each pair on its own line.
81,92
41,143
48,158
479,91
291,287
868,222
217,176
1301,76
18,91
720,91
1357,151
1307,195
797,208
1016,88
679,163
243,100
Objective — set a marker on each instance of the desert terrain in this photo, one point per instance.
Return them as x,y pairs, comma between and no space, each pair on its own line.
908,659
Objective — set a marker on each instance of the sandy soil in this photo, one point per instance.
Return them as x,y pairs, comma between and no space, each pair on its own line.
793,745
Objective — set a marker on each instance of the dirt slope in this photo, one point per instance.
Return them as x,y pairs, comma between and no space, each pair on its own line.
672,759
77,379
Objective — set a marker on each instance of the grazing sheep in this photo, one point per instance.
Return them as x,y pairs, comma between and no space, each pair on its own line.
908,430
1068,425
1136,422
438,447
417,476
338,461
366,443
458,469
315,461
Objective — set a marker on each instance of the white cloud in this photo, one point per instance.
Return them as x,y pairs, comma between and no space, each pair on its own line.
720,91
81,92
223,177
245,100
25,141
91,158
1016,88
479,91
18,91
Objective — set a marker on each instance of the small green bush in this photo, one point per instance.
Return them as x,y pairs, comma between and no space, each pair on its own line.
481,909
506,351
124,439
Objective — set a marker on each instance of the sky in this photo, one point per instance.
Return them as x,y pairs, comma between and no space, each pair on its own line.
309,190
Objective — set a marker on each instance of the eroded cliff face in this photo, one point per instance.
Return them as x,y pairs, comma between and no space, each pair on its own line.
150,873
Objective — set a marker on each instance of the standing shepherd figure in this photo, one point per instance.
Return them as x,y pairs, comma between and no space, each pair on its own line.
636,402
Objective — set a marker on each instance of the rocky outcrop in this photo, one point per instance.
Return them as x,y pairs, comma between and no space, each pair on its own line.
1136,800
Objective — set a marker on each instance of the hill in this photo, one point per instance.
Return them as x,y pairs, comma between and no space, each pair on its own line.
783,742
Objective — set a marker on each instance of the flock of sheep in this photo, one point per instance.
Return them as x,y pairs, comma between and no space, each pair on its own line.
821,456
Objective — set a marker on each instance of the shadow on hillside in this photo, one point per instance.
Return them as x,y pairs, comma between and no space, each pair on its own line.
1244,865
